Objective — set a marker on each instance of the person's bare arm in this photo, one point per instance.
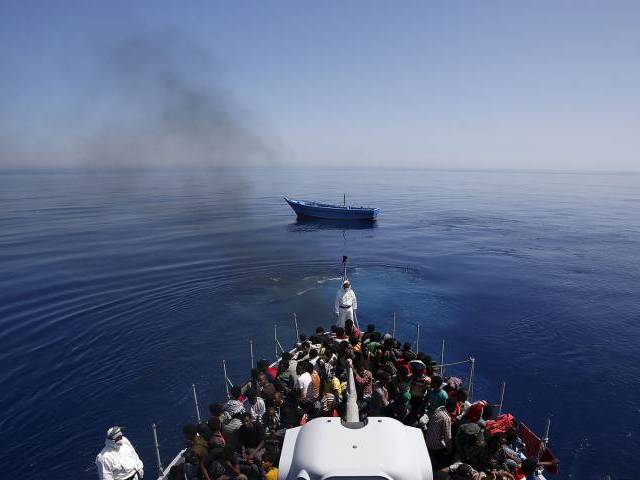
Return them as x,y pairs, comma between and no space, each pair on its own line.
204,471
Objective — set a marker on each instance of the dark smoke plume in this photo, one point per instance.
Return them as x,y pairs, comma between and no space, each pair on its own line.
177,114
149,101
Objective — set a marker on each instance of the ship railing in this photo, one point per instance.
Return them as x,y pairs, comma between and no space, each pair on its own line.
441,367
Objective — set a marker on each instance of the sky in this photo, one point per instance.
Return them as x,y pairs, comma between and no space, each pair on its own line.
455,84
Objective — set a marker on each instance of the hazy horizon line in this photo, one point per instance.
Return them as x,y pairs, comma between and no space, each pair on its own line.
157,169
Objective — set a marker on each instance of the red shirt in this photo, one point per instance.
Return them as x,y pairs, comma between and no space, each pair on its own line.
272,372
474,412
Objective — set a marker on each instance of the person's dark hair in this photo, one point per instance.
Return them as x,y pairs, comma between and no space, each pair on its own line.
283,366
358,364
424,358
308,367
291,396
216,409
340,332
269,457
463,395
348,323
334,328
204,430
375,337
245,415
214,424
353,341
306,344
495,441
487,412
313,353
451,404
464,470
511,435
190,430
371,328
262,365
436,382
302,338
236,391
319,330
286,356
384,377
255,373
406,347
528,466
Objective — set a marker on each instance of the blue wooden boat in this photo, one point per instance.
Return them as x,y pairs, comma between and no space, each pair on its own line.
336,212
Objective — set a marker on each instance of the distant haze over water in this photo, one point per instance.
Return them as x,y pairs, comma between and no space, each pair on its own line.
118,291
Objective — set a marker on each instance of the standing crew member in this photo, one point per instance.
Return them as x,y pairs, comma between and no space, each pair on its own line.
118,459
346,303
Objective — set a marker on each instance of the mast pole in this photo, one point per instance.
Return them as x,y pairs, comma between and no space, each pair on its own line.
442,360
251,350
345,259
352,413
295,322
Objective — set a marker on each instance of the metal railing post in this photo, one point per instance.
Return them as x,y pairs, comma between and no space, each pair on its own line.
417,337
295,322
442,360
393,331
471,373
195,399
253,364
275,337
226,379
157,445
545,438
504,386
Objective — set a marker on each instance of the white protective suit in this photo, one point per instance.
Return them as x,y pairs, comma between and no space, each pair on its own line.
118,462
345,298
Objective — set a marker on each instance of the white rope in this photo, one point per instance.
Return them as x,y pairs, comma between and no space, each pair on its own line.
454,363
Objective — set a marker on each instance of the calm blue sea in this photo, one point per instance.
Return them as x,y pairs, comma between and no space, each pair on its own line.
120,291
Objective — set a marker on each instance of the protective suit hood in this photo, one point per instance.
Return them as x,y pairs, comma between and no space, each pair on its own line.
111,444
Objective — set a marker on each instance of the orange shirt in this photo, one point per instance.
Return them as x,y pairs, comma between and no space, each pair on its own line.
315,384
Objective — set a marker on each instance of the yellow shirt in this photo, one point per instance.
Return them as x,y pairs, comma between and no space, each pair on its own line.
271,474
335,385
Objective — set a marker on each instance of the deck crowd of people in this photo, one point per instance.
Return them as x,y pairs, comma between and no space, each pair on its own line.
243,437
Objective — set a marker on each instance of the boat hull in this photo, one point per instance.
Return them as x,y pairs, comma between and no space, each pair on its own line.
333,212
